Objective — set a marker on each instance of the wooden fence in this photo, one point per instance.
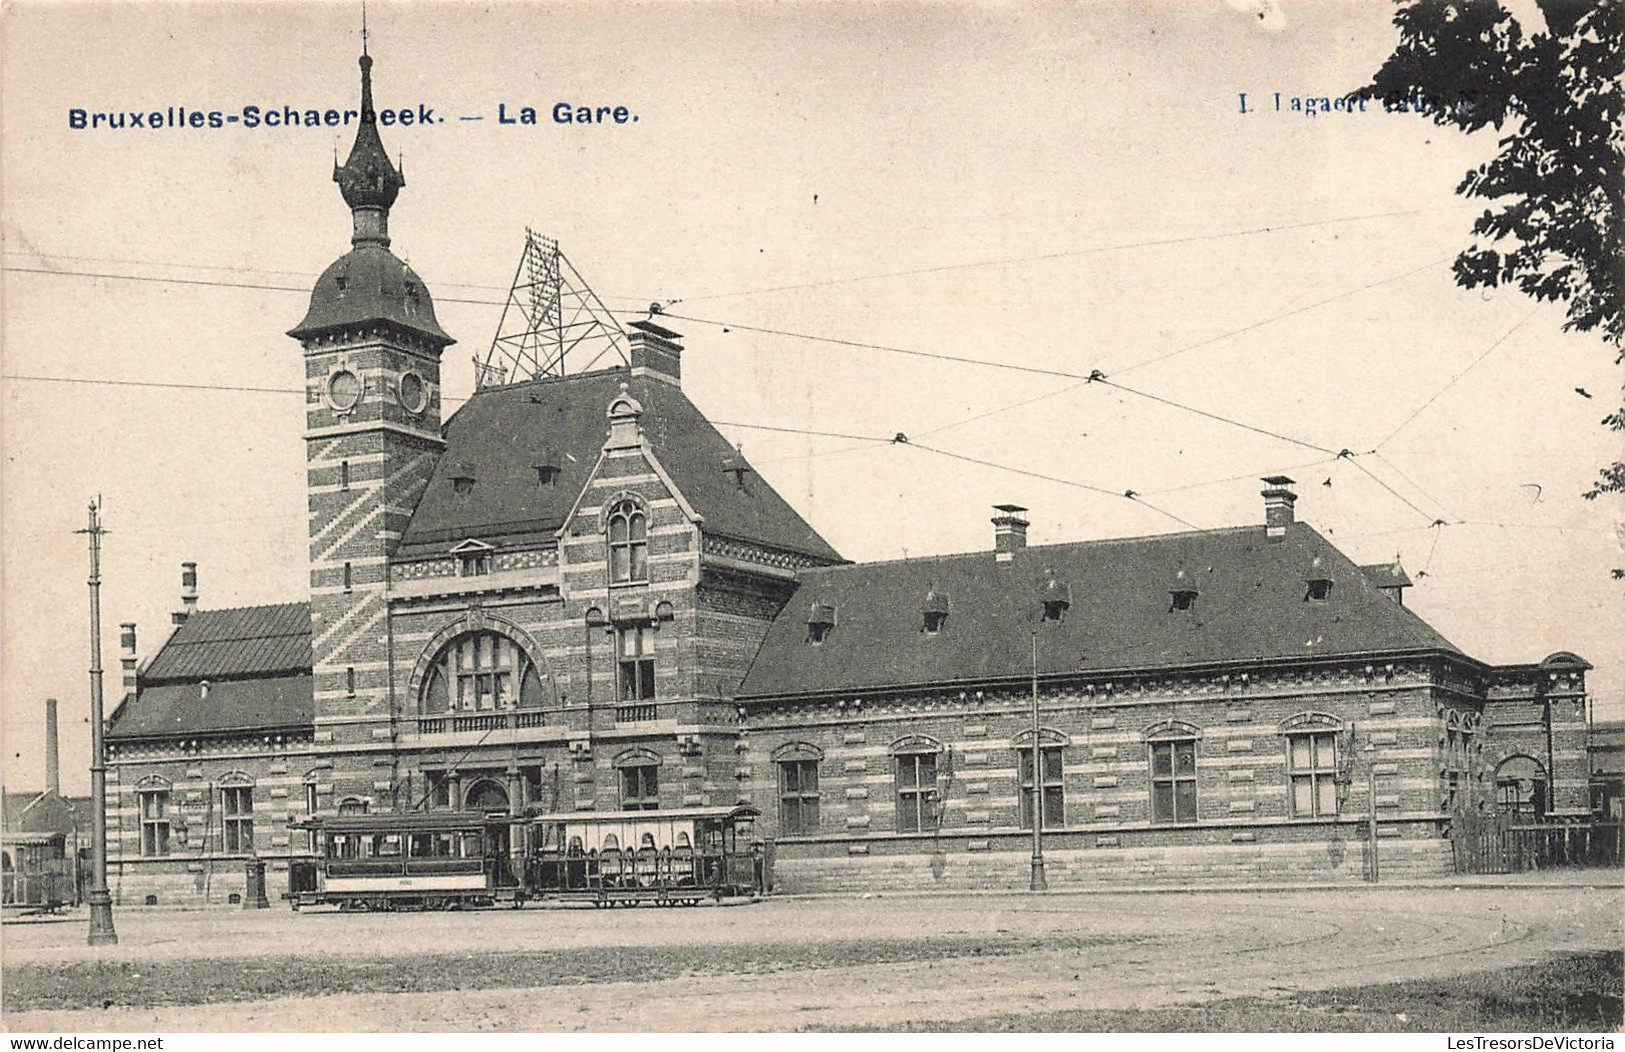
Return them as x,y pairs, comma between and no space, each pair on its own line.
1504,843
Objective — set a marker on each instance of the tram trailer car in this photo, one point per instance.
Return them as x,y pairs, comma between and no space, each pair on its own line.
667,858
434,860
450,860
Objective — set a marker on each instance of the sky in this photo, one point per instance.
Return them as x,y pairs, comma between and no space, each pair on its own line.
1055,187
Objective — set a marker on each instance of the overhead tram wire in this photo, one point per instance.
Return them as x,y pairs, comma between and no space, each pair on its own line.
1094,377
1179,351
941,269
1456,378
1046,256
1414,485
1143,363
1129,494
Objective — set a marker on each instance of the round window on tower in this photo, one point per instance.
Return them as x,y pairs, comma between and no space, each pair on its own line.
414,394
343,390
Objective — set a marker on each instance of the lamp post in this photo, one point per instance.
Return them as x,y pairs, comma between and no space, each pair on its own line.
1037,883
101,903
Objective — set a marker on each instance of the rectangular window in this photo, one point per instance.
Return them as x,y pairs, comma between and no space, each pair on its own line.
475,565
439,788
349,681
237,805
155,822
344,474
798,797
635,662
916,792
1173,781
310,810
1312,769
349,578
640,788
1054,796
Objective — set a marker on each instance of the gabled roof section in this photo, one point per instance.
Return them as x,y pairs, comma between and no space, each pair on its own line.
1251,605
502,434
1387,575
246,641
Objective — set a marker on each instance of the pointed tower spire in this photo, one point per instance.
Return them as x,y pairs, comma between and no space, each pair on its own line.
367,179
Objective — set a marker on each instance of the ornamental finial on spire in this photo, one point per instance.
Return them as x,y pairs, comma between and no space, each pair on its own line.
367,179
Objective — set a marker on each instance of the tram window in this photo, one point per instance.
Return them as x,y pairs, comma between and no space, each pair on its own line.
343,845
647,840
386,845
420,845
575,845
683,842
470,845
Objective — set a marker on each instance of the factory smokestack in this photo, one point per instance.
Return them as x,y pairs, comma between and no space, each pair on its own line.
53,764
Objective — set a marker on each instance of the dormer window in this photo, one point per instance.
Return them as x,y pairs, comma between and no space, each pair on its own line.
474,558
934,612
462,485
820,622
547,467
1183,599
736,466
1320,589
1057,599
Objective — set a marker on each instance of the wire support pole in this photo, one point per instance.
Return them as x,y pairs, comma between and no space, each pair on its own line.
101,932
1038,882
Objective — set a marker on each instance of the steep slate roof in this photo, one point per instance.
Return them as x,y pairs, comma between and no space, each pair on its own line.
246,641
256,660
501,434
1251,606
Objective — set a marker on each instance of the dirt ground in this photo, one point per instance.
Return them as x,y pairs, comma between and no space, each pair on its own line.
1144,951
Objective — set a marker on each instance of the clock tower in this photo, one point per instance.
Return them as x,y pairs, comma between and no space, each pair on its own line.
372,351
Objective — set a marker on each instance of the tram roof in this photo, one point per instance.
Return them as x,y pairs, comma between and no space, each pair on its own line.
410,821
622,817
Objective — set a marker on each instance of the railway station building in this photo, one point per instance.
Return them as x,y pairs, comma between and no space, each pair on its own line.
573,594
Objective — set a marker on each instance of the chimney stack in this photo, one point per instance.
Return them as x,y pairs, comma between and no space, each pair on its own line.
656,352
1278,501
126,657
1009,531
188,593
53,763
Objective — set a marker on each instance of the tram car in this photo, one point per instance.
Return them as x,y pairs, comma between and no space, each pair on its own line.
668,858
462,859
407,861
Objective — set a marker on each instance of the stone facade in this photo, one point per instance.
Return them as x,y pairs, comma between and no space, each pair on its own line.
1414,733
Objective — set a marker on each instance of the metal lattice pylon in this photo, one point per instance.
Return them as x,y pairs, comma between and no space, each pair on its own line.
552,319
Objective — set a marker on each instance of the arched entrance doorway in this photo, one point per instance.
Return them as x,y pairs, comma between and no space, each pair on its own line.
489,796
1520,787
486,795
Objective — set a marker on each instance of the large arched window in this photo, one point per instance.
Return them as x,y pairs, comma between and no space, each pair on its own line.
628,543
481,672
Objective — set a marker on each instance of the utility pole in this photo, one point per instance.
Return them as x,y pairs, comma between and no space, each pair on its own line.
101,903
1038,883
1371,811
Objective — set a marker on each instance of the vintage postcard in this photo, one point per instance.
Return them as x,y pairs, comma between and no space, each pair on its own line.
678,517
